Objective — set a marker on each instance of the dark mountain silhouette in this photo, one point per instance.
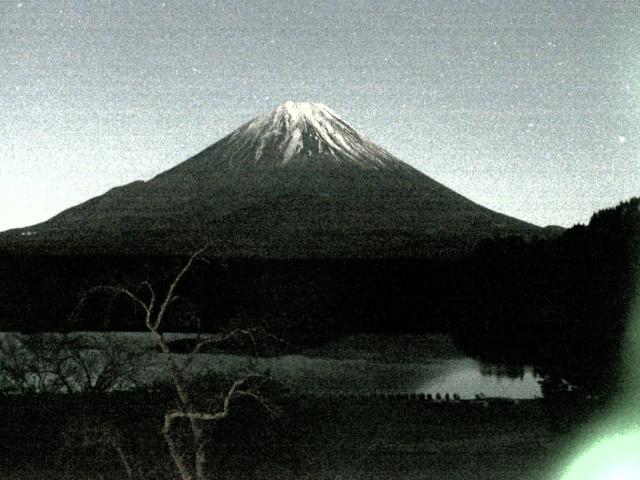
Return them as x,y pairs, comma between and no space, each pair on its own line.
295,182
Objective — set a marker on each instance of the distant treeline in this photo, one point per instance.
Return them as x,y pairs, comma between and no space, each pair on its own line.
303,300
562,304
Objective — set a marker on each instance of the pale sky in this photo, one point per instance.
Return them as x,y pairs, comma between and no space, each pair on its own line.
531,108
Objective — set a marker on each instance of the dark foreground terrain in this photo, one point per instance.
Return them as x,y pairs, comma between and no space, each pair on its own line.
68,437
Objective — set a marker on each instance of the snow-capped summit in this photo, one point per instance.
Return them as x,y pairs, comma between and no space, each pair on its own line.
304,133
300,111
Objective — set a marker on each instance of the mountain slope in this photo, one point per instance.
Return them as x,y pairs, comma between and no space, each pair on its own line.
295,182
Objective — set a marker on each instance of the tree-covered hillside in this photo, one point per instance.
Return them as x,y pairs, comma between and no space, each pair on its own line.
562,303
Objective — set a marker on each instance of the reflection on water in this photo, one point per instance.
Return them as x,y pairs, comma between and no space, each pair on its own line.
364,364
469,379
462,376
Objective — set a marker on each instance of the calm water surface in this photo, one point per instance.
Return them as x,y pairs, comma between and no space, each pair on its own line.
463,376
366,364
359,364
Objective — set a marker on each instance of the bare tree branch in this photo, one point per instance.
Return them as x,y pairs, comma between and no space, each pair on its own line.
169,296
196,417
62,363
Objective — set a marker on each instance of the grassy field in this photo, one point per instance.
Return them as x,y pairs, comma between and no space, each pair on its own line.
312,438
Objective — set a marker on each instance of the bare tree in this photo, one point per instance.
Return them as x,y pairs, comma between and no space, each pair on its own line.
66,363
155,312
69,363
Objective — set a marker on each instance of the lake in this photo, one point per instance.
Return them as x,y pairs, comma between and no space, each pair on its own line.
365,364
358,364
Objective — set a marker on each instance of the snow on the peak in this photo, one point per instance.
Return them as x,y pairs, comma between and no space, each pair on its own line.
294,145
298,110
297,131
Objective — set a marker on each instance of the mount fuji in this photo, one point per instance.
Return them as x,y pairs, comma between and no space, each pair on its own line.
295,182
